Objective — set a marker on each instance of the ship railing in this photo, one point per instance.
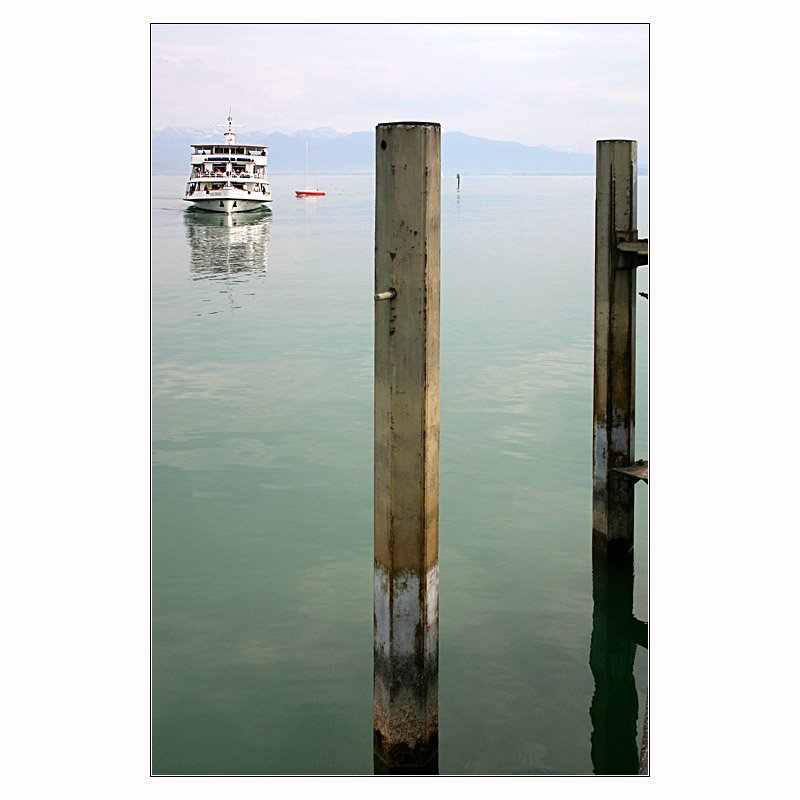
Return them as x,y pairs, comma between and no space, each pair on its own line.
215,188
227,175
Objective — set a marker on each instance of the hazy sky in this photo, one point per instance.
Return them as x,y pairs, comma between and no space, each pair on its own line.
559,85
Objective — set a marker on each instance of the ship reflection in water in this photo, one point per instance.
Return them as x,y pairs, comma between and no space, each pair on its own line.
227,246
615,635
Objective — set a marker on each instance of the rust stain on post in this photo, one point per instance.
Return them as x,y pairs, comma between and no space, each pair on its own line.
406,618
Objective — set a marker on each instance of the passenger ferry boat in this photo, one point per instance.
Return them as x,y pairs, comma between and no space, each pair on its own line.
229,177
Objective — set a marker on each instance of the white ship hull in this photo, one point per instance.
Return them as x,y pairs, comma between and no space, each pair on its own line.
229,201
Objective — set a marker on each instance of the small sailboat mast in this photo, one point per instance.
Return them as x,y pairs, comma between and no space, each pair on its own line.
308,191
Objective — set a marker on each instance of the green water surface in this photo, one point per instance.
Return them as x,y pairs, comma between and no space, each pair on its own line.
262,362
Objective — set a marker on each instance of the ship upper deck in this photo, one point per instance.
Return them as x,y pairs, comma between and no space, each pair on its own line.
230,149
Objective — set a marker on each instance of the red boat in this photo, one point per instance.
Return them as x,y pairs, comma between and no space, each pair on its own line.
308,192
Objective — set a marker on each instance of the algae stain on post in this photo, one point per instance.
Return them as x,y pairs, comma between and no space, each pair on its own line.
406,578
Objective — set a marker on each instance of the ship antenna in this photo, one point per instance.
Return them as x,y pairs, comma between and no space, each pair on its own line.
229,135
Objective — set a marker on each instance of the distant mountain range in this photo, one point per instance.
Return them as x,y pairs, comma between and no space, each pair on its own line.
331,151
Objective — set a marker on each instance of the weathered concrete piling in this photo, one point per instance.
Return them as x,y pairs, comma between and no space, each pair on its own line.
406,618
618,251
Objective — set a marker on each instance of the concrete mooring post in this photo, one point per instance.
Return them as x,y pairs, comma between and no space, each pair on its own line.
618,252
406,618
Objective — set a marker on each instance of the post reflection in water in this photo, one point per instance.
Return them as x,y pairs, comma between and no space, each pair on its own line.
227,245
615,635
381,768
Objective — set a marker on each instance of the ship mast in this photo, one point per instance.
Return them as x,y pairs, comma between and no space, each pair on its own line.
230,135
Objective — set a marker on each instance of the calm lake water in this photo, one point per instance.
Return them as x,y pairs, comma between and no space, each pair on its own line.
262,572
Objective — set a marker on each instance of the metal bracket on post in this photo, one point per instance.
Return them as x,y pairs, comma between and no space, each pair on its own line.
633,251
